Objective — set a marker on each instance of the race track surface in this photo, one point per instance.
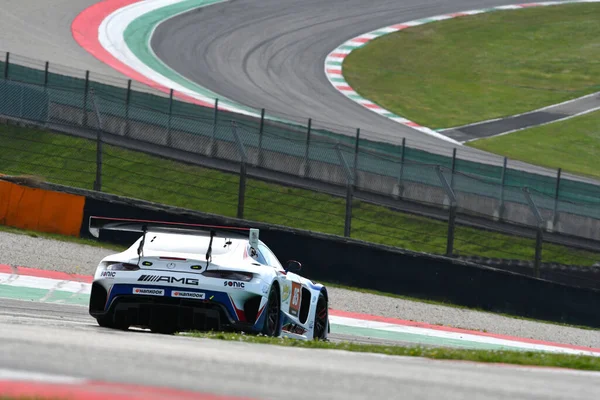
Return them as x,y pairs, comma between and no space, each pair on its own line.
62,340
270,53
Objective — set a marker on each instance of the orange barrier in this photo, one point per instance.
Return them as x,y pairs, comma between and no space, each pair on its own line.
40,210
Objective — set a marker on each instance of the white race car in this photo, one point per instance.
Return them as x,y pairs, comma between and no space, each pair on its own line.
179,277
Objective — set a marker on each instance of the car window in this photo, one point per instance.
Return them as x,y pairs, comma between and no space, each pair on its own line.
269,256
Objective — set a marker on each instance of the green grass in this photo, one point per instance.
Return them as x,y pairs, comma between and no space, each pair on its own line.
488,356
71,161
573,145
475,68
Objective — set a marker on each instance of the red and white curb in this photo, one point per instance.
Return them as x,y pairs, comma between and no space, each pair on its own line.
61,281
26,384
334,61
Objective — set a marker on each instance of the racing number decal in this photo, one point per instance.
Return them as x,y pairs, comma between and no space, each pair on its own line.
296,299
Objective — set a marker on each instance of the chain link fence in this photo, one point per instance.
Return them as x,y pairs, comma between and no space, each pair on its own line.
57,96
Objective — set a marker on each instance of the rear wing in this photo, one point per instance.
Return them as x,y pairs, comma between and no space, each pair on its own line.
143,226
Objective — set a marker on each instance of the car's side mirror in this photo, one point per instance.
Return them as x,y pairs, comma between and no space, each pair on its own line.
293,266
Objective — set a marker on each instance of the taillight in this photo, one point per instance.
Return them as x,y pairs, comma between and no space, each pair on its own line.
231,275
122,267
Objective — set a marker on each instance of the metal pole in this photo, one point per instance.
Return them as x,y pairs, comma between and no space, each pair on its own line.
556,195
6,64
306,150
85,97
539,238
402,155
216,118
451,228
260,137
46,74
170,116
348,219
452,212
243,160
242,190
127,101
453,167
502,179
212,149
356,148
98,181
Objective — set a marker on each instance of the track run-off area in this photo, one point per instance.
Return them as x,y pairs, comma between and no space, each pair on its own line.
259,53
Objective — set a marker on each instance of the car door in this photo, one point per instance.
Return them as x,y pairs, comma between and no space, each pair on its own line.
290,285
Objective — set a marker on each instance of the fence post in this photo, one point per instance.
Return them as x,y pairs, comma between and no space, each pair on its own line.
349,190
85,97
398,189
127,101
539,238
98,181
306,169
452,212
46,75
212,151
260,137
503,180
244,159
6,64
356,148
170,116
556,195
348,215
453,168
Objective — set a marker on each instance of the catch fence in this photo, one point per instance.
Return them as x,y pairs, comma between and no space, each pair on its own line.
56,96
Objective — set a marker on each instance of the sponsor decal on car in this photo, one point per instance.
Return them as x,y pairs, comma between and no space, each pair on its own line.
108,274
196,267
188,295
296,299
168,279
293,328
149,292
285,293
234,284
146,263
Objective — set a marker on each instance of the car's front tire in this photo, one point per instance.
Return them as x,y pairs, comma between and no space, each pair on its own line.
272,312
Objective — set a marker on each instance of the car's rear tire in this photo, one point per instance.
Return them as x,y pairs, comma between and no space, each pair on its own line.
272,313
321,318
108,321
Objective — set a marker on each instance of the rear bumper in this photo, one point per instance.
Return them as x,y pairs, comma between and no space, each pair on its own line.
215,310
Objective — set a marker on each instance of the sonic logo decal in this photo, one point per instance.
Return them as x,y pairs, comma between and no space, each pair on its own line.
296,299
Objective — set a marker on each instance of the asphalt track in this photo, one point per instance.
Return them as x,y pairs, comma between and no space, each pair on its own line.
61,340
270,54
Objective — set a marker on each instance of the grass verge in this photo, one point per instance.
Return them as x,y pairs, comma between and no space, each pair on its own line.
480,67
572,144
542,359
71,161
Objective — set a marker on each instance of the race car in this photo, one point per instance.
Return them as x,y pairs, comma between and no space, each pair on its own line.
181,277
